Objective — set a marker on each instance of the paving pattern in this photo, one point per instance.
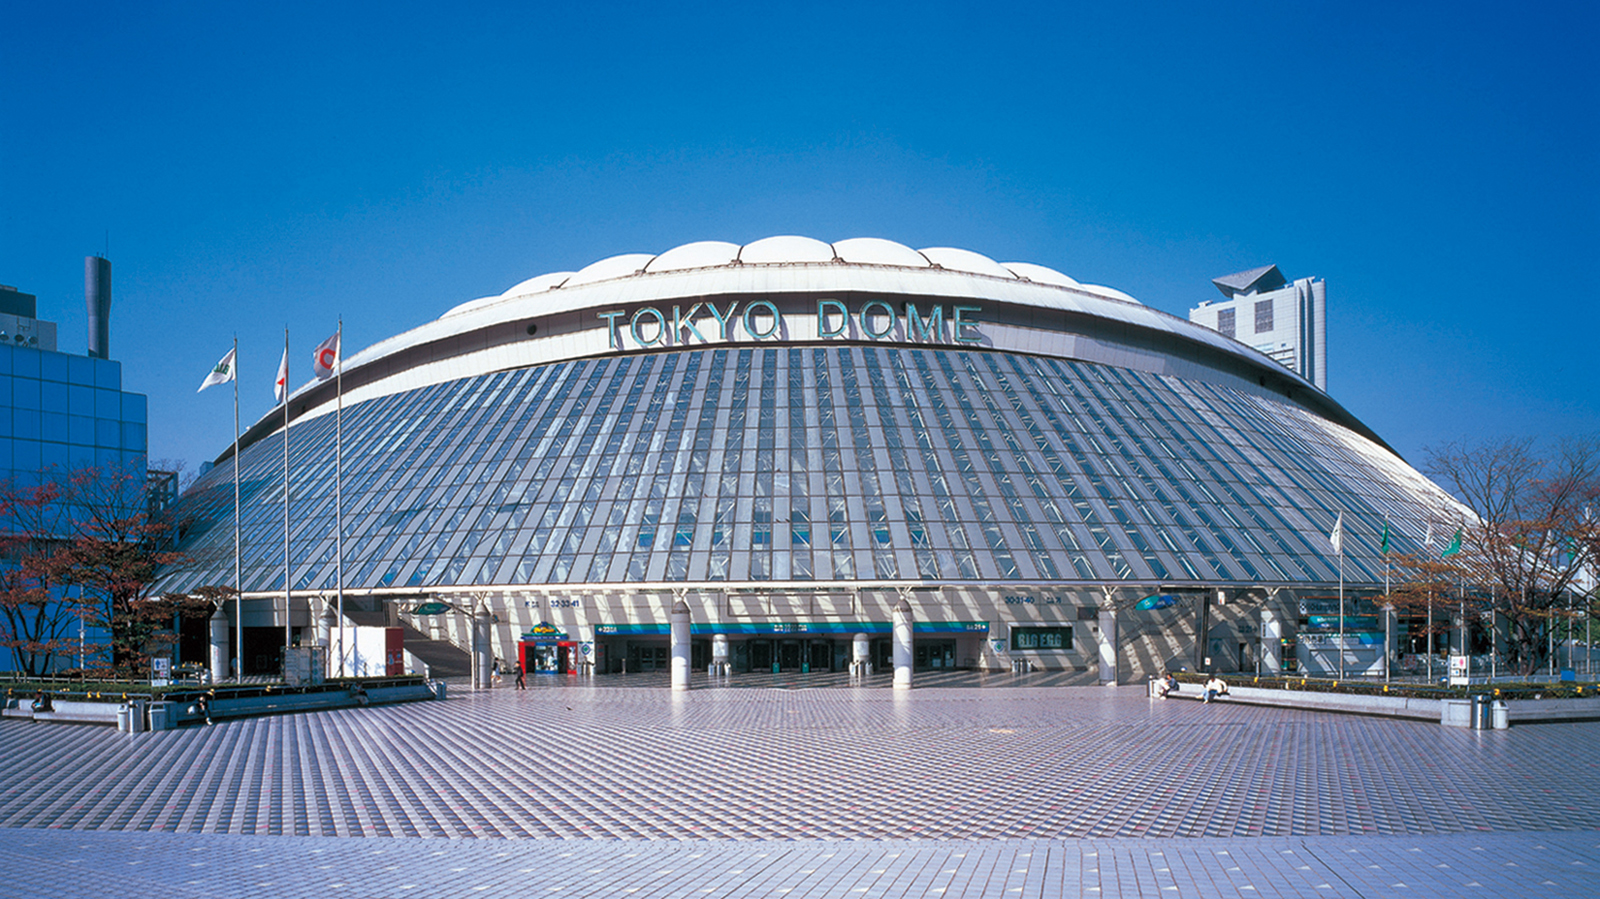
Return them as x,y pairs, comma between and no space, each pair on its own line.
806,788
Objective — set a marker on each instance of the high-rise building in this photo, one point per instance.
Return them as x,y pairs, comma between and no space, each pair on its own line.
61,412
1287,321
63,416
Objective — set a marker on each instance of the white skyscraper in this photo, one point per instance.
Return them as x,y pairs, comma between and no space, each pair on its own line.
1285,321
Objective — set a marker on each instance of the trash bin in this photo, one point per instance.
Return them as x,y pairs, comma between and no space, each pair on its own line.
158,716
136,717
1480,712
1500,714
123,714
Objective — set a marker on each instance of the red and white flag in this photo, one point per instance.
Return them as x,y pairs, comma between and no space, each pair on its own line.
325,361
280,388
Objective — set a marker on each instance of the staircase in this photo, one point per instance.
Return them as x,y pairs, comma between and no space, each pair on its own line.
443,658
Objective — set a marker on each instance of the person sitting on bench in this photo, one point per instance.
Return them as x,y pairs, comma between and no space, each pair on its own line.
1215,687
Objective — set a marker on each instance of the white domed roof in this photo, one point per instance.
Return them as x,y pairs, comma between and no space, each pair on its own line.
788,248
700,254
877,251
614,267
1111,292
863,254
1039,274
952,259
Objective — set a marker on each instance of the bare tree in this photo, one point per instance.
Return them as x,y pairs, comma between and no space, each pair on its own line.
1534,537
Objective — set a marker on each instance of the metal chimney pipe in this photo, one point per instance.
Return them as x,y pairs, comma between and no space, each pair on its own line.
97,296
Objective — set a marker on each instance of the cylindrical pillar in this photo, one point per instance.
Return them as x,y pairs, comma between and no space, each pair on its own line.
1108,647
719,653
481,650
1271,641
325,625
860,653
680,645
902,645
219,646
1389,630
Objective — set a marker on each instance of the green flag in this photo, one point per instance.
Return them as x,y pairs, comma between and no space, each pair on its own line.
1386,536
1454,547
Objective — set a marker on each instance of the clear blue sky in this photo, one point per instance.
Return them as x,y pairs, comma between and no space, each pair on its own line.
265,165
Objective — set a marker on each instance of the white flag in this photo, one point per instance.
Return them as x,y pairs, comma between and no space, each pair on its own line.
222,373
281,388
1337,537
326,358
1428,540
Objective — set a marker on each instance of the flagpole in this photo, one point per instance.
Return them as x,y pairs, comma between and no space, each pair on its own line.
288,605
1341,599
1428,542
1388,604
238,579
338,487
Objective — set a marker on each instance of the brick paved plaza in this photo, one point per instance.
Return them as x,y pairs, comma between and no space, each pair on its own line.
818,789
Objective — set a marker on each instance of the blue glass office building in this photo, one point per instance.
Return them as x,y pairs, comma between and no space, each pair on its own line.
67,413
792,436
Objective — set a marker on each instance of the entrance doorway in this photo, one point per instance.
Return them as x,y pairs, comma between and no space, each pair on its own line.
933,654
761,656
821,655
648,657
882,654
784,655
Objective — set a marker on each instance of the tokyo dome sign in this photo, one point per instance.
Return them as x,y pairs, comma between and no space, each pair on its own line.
740,320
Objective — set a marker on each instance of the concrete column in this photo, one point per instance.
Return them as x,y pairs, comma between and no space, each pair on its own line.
860,653
680,645
1108,647
219,646
719,653
1391,630
482,651
325,624
902,645
1271,641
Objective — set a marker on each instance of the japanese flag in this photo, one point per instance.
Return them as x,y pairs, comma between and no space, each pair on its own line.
280,388
325,360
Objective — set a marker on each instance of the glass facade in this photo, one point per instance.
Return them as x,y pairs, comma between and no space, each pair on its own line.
61,413
784,463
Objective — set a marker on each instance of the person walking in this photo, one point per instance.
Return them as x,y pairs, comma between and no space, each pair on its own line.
522,682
